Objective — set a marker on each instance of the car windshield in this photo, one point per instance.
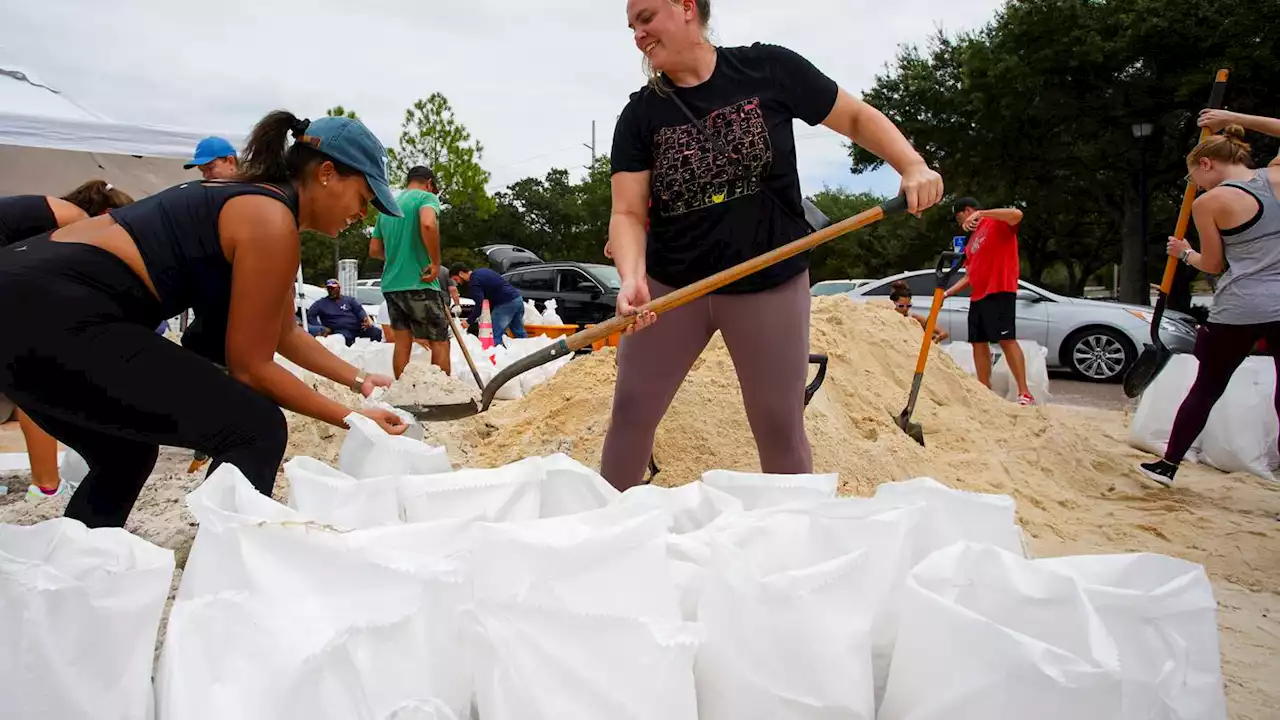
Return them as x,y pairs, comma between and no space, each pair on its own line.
833,287
368,296
607,275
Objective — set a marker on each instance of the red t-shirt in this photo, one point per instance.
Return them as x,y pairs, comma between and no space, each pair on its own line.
991,258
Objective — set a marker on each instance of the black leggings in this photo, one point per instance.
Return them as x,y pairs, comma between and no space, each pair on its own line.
1220,349
91,371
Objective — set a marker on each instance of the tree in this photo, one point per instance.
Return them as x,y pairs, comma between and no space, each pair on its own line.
432,136
888,247
339,111
1035,110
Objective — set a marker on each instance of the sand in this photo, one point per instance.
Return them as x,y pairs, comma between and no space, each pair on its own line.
1069,469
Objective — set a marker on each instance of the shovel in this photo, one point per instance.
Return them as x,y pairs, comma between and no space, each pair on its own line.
456,410
1155,355
943,277
565,345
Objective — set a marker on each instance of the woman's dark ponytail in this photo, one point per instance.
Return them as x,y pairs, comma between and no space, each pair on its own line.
271,157
266,154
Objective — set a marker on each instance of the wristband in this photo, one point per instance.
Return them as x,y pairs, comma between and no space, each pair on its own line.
1185,256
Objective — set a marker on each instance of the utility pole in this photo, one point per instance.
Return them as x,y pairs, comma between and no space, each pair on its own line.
592,146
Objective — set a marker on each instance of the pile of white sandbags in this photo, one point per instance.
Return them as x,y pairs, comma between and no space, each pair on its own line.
395,586
493,360
1002,382
1240,435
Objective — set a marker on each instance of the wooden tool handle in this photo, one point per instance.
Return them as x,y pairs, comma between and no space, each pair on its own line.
689,293
1189,195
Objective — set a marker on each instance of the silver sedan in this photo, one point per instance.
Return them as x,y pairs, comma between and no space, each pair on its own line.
1096,340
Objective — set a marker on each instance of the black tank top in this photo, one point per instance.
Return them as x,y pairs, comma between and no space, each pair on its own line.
25,216
176,232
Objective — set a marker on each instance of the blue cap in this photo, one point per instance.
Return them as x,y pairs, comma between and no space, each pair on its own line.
351,143
210,149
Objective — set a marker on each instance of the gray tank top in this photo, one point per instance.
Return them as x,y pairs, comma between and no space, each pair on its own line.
1249,292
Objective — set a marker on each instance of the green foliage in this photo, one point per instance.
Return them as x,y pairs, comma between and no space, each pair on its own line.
432,136
319,261
1035,111
339,111
888,247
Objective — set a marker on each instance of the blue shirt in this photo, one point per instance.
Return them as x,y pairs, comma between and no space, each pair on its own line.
337,315
486,284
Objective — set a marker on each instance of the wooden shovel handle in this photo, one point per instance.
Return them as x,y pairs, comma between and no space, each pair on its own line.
1216,97
689,293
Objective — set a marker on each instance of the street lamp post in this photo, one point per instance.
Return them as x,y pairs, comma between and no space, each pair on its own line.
1142,131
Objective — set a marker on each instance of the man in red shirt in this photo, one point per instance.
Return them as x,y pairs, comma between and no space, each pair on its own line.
991,264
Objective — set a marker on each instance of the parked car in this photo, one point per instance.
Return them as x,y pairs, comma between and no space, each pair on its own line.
836,287
584,292
507,257
1096,340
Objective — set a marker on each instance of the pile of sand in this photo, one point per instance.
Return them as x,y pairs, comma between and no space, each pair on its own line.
425,384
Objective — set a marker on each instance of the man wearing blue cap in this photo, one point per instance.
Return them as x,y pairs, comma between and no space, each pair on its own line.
216,159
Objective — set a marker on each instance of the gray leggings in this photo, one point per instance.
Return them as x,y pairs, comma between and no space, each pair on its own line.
767,334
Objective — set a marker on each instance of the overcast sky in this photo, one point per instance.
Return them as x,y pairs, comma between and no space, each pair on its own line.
527,78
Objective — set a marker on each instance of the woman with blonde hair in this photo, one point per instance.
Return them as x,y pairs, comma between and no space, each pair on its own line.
1238,221
705,157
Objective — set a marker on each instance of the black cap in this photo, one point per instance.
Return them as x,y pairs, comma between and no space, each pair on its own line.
963,204
421,172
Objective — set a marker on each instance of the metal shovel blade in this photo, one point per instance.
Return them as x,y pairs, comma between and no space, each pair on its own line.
912,429
1145,369
440,413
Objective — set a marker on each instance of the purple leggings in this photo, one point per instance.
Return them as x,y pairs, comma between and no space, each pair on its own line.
767,334
1220,349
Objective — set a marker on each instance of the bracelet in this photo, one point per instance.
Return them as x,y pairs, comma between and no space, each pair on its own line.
360,378
1185,256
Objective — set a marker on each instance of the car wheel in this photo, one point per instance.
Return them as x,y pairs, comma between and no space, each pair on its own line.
1098,354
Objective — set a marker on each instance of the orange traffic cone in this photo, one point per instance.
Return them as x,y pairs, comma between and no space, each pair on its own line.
486,326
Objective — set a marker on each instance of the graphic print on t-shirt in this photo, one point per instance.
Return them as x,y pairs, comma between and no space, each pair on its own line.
688,173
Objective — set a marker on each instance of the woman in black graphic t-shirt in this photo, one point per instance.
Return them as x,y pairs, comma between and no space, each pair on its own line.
715,193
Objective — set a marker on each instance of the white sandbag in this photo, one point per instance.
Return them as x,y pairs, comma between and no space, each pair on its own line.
1162,616
758,490
72,469
694,505
612,565
376,400
376,358
794,645
499,358
1037,359
368,452
1153,420
271,604
543,664
518,348
335,498
81,609
531,314
549,314
1240,435
571,487
335,344
503,494
986,634
962,354
953,516
797,536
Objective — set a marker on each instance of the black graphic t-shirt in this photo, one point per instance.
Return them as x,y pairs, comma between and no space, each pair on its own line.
707,210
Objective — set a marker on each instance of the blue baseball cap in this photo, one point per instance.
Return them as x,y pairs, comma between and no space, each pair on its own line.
351,143
210,149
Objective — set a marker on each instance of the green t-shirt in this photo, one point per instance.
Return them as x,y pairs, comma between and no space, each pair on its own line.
406,256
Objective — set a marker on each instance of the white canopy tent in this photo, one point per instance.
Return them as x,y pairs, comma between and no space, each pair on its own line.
49,144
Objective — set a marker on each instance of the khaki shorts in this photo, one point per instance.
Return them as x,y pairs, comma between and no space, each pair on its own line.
418,311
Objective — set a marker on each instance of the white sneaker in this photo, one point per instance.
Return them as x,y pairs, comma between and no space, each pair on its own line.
35,494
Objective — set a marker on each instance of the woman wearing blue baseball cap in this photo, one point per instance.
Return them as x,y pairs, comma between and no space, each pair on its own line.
95,374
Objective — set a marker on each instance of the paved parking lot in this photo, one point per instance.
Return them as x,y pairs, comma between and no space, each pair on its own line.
1066,390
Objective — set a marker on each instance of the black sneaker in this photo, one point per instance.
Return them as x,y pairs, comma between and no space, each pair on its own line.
1160,471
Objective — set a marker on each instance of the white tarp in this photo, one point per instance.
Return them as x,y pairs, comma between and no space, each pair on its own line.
49,144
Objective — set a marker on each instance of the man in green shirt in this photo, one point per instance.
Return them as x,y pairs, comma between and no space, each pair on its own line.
410,249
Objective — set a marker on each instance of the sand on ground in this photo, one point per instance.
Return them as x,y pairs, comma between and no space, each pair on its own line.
1069,469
